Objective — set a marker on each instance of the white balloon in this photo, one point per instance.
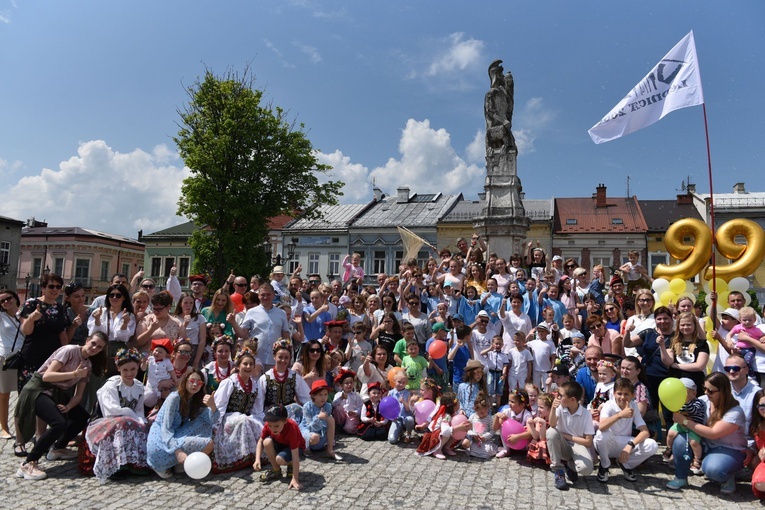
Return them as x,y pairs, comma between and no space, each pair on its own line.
690,287
747,299
197,465
739,284
660,285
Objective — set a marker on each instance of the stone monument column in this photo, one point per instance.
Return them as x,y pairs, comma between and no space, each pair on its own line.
503,222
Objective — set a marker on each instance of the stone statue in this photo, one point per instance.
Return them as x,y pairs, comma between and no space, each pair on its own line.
498,108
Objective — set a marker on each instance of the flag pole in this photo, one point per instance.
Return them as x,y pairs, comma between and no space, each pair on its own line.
711,209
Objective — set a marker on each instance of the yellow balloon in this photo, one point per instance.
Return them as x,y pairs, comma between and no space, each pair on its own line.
746,257
672,394
693,257
677,285
709,326
668,297
722,285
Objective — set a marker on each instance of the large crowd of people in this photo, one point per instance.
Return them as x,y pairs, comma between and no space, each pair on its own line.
521,358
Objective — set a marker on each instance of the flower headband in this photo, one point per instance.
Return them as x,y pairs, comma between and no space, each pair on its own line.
244,353
223,339
282,343
127,355
607,364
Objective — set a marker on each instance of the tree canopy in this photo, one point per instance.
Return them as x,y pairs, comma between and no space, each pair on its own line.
248,164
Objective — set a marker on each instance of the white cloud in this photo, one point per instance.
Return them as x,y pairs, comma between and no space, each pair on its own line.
279,55
476,150
533,118
355,176
428,164
461,55
103,189
313,54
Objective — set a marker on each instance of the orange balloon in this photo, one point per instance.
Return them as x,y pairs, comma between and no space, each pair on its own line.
392,373
437,349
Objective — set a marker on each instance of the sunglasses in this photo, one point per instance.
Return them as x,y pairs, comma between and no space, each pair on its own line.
414,303
5,300
314,351
710,391
194,382
644,300
158,308
240,285
147,286
570,266
610,309
115,295
760,406
733,368
55,286
184,353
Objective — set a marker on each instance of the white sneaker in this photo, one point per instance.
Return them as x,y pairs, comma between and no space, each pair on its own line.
61,454
30,471
168,473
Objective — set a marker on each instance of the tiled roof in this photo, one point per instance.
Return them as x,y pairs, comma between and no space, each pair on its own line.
417,211
660,214
74,231
579,215
333,217
278,222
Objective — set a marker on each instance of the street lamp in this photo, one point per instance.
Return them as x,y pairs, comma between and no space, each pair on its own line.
27,279
291,248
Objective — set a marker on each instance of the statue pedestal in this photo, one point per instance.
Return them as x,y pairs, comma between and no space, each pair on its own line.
503,222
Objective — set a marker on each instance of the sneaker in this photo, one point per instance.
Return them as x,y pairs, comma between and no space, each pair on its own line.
629,474
439,456
501,454
271,475
571,473
666,456
602,474
729,487
167,473
61,454
30,471
560,480
677,484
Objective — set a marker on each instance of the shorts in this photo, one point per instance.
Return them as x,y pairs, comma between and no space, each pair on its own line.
320,445
495,383
682,430
283,450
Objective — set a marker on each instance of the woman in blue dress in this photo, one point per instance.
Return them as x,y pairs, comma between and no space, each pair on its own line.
183,426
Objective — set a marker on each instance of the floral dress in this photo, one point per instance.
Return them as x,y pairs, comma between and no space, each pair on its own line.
236,434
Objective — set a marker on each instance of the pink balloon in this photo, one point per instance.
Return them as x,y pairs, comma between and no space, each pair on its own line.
511,426
459,435
422,411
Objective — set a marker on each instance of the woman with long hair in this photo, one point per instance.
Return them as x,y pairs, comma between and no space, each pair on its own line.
723,434
74,302
219,311
46,396
184,425
159,323
193,326
374,369
311,365
11,340
687,354
116,320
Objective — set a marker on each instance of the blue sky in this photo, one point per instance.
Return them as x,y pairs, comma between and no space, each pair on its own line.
389,91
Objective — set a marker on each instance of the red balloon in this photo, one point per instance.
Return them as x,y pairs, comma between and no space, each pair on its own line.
437,349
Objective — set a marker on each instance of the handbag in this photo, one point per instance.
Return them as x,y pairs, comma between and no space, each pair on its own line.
14,361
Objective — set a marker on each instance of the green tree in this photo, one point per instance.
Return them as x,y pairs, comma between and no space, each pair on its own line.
248,164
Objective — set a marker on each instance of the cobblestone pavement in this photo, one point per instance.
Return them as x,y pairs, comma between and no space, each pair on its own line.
373,475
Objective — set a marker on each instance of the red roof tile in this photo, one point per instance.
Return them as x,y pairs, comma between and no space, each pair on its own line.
580,215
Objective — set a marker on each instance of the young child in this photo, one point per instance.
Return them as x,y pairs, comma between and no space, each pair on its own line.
694,409
222,367
537,426
405,420
614,439
346,407
521,363
570,457
281,292
429,390
160,374
747,318
604,389
636,274
359,348
543,351
438,439
533,392
373,426
282,442
353,271
597,285
498,366
399,350
518,410
415,366
317,424
480,437
473,383
336,362
576,354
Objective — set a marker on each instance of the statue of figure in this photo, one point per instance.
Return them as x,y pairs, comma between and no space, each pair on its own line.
498,108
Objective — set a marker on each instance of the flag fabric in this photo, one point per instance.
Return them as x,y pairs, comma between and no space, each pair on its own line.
411,243
674,83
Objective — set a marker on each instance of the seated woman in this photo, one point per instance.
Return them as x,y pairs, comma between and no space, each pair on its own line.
236,434
724,437
311,363
44,397
118,439
222,366
183,425
280,385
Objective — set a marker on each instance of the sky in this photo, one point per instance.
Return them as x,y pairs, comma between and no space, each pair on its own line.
389,92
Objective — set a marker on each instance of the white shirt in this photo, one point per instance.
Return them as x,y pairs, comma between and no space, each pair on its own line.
511,324
112,326
578,424
227,387
8,327
542,350
482,341
109,398
267,326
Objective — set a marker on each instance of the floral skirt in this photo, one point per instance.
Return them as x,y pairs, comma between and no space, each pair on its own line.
538,452
234,442
117,441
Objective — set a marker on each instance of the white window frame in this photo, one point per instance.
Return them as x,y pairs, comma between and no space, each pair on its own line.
334,264
313,263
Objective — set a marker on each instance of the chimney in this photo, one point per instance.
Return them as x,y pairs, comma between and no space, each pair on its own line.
402,195
686,199
690,188
600,196
140,236
378,194
739,188
482,196
522,195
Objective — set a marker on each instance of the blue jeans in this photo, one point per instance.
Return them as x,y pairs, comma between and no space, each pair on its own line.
719,464
394,432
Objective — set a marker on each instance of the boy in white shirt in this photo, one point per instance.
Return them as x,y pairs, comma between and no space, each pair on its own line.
569,437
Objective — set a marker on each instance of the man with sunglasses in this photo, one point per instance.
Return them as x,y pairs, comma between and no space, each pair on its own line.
416,318
742,387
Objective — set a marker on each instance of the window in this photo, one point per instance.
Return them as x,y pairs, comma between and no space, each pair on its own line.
5,252
294,262
571,221
126,270
82,271
422,259
156,266
313,263
104,270
605,262
617,221
378,262
183,267
397,262
36,267
654,259
169,263
334,264
58,266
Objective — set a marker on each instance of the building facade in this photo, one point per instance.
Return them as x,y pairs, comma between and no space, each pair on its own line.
10,250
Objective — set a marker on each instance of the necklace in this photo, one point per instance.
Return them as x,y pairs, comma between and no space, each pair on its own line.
246,387
280,378
219,374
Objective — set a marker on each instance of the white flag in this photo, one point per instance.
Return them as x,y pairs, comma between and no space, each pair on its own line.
674,83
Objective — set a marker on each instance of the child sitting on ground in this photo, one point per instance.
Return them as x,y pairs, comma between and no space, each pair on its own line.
318,425
346,407
405,420
695,410
538,428
438,440
480,438
518,410
282,442
373,426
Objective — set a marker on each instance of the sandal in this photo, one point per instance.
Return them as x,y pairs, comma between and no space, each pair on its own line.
19,450
696,467
666,455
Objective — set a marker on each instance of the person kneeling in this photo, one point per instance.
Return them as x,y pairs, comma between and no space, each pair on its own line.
282,441
569,437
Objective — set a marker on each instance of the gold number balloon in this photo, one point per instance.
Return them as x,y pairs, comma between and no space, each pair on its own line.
746,257
692,257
